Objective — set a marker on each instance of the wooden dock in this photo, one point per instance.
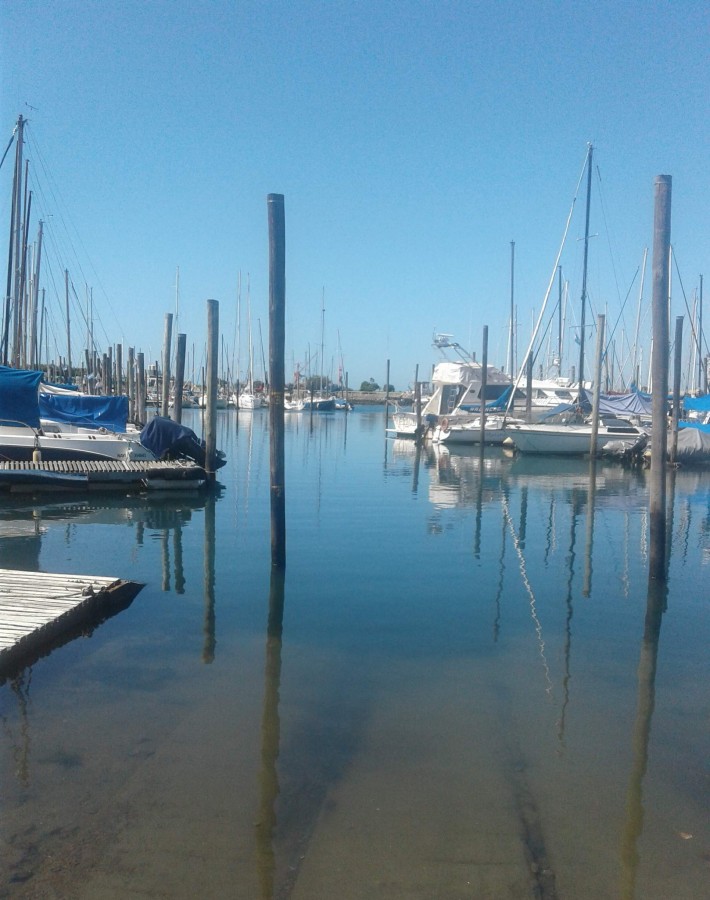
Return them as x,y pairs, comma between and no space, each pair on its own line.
40,611
87,475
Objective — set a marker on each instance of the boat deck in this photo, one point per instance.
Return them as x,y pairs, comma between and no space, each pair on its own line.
39,611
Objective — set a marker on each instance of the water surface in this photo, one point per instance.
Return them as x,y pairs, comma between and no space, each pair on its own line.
463,686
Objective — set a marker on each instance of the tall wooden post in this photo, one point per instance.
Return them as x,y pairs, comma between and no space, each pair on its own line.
277,343
140,389
484,385
387,392
676,387
659,364
211,404
131,379
119,369
179,376
167,342
601,320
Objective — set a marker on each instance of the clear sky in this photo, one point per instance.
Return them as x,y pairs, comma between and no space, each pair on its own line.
413,141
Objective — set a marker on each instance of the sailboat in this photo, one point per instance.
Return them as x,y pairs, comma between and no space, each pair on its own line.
248,399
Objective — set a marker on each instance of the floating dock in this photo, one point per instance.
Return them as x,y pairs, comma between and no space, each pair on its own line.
87,475
40,611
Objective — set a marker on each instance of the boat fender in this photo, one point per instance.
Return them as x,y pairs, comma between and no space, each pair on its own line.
444,424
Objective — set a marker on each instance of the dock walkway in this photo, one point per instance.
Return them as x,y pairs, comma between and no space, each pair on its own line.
40,610
22,477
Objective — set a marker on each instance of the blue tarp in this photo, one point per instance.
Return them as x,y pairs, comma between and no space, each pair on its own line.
18,396
703,428
698,404
87,410
169,440
634,404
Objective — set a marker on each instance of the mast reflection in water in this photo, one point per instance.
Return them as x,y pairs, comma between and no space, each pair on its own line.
452,701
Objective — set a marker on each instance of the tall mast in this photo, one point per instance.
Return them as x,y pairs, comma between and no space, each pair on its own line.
66,298
634,370
511,332
322,332
703,369
584,270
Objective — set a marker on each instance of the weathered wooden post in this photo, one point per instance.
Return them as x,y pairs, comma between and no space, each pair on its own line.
528,387
131,385
418,404
167,342
119,369
277,342
179,376
676,387
387,392
140,389
484,386
601,320
659,364
211,404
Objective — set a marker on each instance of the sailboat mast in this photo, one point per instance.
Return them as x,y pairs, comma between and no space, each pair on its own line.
584,270
66,298
511,332
322,332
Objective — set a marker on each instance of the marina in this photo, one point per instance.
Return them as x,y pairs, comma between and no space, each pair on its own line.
463,683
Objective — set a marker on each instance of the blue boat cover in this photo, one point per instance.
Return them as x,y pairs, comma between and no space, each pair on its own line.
636,403
87,410
699,404
18,396
168,440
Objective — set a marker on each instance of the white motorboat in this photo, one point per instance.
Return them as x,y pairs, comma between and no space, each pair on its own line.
615,436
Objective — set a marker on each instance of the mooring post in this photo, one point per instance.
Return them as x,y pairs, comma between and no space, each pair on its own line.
131,384
659,364
119,369
601,324
387,392
676,388
528,387
140,389
418,403
167,341
179,377
210,411
484,386
277,343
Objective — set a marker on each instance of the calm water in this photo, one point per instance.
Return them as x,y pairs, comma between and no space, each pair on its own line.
462,689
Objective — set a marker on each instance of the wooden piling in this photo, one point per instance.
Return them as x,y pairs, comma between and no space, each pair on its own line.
131,386
167,342
211,404
119,369
676,388
140,389
179,376
277,342
601,320
484,385
659,364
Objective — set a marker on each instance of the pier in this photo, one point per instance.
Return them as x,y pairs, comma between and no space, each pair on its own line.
99,475
39,611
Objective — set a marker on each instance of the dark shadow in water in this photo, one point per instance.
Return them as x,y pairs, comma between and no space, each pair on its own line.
270,737
20,741
633,826
591,503
656,605
208,647
574,504
417,463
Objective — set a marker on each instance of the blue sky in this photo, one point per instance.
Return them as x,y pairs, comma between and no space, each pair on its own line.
412,142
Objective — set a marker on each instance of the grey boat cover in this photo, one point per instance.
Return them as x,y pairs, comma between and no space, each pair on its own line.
693,444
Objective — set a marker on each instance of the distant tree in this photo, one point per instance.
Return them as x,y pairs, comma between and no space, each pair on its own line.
369,386
389,387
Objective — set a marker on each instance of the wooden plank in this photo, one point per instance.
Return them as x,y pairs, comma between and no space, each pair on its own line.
39,611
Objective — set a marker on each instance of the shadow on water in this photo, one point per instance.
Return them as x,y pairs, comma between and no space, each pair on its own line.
656,605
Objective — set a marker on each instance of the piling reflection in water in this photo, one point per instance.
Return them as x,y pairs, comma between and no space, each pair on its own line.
270,737
648,658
